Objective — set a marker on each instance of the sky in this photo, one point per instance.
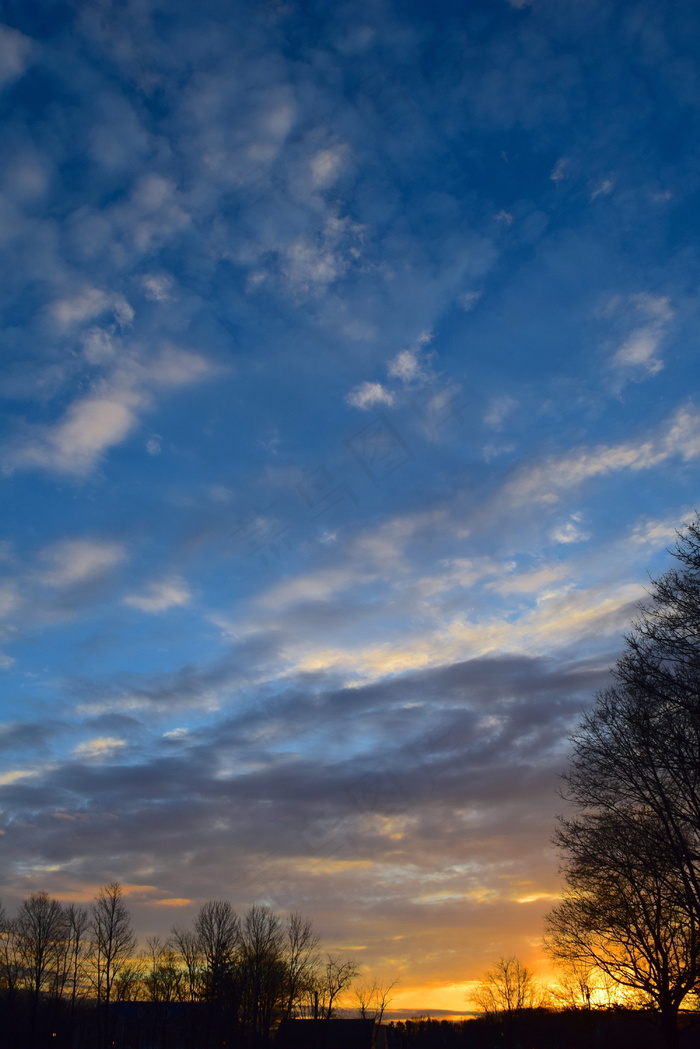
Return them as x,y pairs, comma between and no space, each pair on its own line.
350,395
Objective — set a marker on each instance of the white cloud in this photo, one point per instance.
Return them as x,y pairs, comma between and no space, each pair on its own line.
638,351
570,532
367,394
15,53
6,661
161,595
157,286
657,533
78,560
319,586
89,428
540,483
88,304
410,365
107,416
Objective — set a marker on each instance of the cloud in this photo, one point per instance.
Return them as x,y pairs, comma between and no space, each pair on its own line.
499,409
369,394
99,747
605,187
560,169
570,532
89,304
662,532
411,366
157,286
326,164
160,596
15,53
544,481
638,352
317,587
107,416
74,561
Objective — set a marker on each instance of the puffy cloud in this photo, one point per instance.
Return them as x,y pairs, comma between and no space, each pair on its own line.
369,394
570,532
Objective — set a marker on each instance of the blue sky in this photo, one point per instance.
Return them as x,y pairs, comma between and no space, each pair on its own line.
350,393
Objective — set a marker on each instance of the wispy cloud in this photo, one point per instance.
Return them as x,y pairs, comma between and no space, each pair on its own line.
104,418
545,481
160,596
74,561
639,352
99,747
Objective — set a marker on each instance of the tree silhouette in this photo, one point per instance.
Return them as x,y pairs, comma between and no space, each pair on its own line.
632,851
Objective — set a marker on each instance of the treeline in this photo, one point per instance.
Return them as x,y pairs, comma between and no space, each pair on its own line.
72,976
538,1028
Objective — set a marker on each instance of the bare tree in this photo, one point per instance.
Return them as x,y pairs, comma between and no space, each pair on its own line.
262,970
162,974
332,978
633,846
77,925
640,745
40,934
507,988
625,912
10,959
577,985
373,999
218,933
301,961
185,943
112,942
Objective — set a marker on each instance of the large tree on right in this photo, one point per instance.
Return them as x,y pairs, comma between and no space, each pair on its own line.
632,846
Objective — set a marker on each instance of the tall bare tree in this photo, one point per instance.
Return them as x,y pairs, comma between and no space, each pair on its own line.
40,931
632,847
218,932
262,971
112,939
301,961
625,912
